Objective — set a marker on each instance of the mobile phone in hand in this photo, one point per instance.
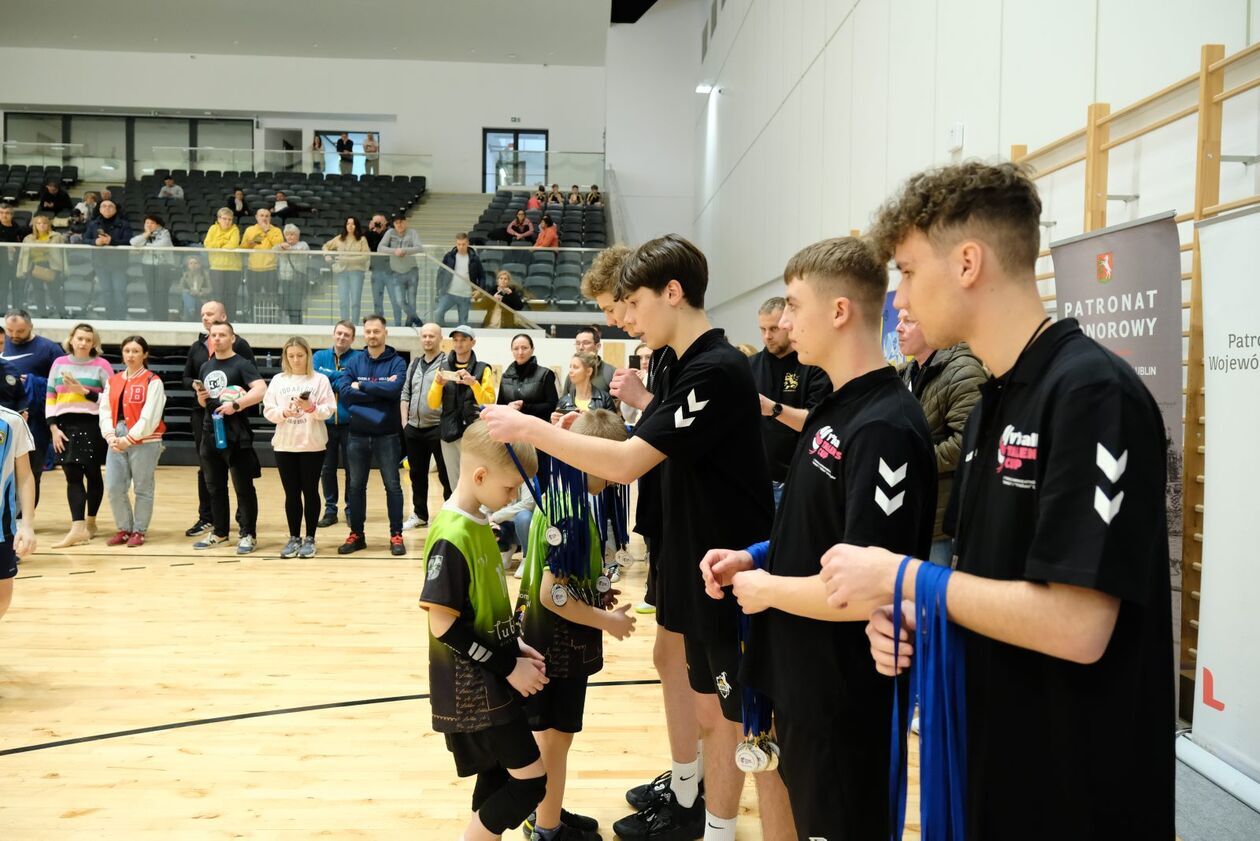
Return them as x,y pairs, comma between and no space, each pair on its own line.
306,395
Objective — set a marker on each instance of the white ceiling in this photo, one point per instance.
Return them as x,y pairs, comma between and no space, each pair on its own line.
500,31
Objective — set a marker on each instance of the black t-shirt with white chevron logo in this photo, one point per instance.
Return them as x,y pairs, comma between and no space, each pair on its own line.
715,486
1062,480
863,473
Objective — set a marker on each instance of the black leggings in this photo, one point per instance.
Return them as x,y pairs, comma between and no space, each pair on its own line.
83,488
299,474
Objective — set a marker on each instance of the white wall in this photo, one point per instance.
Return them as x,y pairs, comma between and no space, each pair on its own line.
420,107
651,72
827,105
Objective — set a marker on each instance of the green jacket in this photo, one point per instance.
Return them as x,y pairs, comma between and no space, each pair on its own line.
947,387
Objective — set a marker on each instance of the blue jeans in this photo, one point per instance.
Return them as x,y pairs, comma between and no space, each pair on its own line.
384,280
776,488
133,468
515,532
113,281
350,294
445,302
387,449
334,455
408,284
942,553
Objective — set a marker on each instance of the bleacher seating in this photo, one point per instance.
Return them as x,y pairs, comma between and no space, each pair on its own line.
551,280
20,181
580,226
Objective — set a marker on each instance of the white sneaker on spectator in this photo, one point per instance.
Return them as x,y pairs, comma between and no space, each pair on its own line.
414,521
520,570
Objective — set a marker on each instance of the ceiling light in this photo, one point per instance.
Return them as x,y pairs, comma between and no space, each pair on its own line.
704,88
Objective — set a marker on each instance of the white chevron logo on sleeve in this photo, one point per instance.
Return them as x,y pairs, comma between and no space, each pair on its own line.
681,421
1107,508
889,506
892,477
1112,468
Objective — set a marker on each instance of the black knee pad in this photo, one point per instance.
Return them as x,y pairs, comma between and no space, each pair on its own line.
488,782
512,803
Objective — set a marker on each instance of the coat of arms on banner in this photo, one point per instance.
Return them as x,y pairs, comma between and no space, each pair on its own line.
1104,267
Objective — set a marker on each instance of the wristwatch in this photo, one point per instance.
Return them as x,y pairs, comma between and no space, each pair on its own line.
776,410
237,406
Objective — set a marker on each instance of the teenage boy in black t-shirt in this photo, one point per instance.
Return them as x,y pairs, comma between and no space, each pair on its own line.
1061,544
863,473
715,491
228,384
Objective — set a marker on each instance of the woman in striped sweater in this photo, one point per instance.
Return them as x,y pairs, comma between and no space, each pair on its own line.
131,424
75,383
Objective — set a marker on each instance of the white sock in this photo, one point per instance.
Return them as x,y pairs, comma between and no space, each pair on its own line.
718,829
685,783
700,758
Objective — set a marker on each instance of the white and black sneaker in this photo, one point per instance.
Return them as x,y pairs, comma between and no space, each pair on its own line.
663,820
640,797
210,541
572,827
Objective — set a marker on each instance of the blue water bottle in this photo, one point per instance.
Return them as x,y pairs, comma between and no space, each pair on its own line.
220,432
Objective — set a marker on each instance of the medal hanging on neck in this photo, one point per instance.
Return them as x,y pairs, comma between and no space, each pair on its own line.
567,508
757,752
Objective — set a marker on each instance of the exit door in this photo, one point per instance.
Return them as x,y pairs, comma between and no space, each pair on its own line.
513,158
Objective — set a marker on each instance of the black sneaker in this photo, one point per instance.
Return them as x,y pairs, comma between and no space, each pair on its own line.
329,519
354,542
565,833
664,820
577,826
199,527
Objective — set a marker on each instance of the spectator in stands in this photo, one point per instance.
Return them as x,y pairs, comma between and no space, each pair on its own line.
317,153
575,195
107,231
508,293
31,357
349,266
593,198
261,278
282,208
194,287
87,206
225,266
42,271
590,340
536,199
294,268
642,357
421,433
229,384
156,262
402,244
460,390
377,226
105,195
12,389
371,389
331,362
199,352
548,234
526,385
72,402
240,207
131,423
579,394
455,287
52,199
170,190
555,196
520,228
298,401
371,155
511,525
345,153
10,232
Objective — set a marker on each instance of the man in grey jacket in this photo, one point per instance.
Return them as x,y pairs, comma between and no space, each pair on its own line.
401,244
421,434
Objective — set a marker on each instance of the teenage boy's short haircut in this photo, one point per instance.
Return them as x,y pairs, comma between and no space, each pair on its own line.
478,445
600,423
655,263
996,203
843,267
601,277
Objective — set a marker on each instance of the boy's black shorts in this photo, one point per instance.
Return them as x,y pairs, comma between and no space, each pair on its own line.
713,669
8,561
559,706
507,746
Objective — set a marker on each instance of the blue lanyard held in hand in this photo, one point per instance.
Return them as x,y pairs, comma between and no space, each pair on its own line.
757,752
938,686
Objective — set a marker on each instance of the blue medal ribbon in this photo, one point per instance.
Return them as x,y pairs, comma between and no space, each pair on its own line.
758,711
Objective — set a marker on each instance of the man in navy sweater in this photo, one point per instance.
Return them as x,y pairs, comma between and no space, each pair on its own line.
371,390
31,358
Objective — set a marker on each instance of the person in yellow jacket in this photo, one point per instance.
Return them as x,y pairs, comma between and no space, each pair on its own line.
463,385
261,277
225,267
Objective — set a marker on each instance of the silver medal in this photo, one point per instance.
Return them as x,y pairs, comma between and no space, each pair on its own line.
559,595
772,751
624,558
603,584
746,758
554,537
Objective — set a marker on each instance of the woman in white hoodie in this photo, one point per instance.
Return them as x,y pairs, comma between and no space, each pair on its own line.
298,401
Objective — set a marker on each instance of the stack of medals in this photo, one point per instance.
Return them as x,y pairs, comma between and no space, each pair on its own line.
612,516
757,752
567,507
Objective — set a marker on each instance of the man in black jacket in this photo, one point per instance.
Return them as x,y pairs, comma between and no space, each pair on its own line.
198,354
52,199
788,391
10,232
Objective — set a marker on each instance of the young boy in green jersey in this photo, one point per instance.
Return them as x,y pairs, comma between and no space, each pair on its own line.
478,666
563,610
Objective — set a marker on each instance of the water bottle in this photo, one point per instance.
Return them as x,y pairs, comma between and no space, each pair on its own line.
220,432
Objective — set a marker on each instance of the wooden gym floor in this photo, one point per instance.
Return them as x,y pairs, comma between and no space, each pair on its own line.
164,693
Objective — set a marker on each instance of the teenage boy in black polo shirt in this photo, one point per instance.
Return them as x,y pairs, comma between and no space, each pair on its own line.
863,473
1060,533
715,491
